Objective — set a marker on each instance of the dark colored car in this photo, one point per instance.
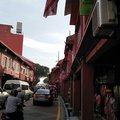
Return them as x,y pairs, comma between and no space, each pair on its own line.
42,96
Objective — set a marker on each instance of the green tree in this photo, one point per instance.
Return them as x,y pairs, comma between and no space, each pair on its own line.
46,80
41,71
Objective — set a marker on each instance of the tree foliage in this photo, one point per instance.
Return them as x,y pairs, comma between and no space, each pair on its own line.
41,71
46,80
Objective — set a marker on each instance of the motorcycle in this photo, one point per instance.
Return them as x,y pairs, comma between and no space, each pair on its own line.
5,116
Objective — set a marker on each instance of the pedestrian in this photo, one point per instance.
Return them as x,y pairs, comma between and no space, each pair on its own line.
97,103
109,105
12,104
21,96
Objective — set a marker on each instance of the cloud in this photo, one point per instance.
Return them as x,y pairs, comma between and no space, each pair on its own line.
42,52
43,46
59,36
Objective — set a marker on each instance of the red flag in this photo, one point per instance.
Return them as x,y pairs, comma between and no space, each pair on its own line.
50,8
68,6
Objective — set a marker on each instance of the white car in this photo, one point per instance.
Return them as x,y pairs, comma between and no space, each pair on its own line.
3,97
14,84
28,95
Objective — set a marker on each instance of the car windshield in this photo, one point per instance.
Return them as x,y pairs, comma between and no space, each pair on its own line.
11,86
43,91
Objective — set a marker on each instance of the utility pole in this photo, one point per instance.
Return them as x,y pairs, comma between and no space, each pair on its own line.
69,32
58,55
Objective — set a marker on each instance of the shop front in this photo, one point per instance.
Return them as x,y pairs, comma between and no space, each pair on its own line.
107,91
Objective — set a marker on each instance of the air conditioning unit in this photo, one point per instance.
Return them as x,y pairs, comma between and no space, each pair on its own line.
104,18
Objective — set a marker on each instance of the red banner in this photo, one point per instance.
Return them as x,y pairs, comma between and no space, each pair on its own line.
50,8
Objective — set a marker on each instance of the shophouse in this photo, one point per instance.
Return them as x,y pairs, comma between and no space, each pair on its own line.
92,58
12,64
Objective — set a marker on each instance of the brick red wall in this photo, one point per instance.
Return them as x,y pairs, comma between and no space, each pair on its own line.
13,41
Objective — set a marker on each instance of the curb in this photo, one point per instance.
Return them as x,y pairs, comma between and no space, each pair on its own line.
58,111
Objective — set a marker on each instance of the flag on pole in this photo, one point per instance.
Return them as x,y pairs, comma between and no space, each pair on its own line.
68,6
50,8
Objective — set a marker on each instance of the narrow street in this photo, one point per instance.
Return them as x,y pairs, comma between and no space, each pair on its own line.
60,48
39,112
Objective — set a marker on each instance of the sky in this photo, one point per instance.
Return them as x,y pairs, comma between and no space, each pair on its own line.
44,38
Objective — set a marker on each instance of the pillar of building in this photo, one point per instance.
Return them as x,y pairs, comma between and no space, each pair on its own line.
76,96
87,92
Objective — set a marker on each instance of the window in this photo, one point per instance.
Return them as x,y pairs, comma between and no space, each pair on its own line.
10,63
4,61
18,67
11,86
24,87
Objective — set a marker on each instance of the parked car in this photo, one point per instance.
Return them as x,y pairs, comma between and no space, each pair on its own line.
42,95
3,97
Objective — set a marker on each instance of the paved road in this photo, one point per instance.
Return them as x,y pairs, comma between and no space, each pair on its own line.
40,112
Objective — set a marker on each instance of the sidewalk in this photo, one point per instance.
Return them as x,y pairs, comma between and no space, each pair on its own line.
64,115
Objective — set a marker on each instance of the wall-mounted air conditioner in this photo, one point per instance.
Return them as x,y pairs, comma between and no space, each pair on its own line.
104,18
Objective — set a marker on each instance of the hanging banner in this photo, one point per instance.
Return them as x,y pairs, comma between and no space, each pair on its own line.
50,8
85,7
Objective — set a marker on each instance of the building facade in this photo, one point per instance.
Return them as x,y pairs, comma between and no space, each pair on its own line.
12,39
12,64
91,64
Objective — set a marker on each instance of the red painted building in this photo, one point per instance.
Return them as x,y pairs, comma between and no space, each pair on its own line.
12,64
13,40
95,63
